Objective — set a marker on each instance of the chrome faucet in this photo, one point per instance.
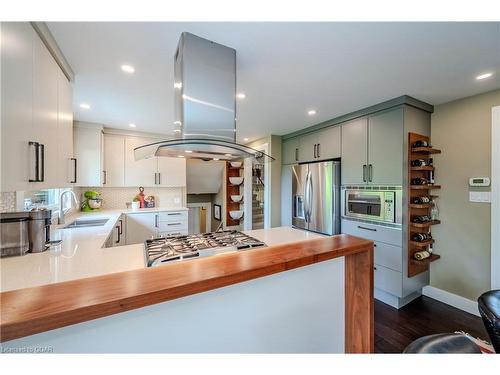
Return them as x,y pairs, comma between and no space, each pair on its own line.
62,212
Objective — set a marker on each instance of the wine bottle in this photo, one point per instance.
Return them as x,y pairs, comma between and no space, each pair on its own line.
421,237
434,210
420,219
419,181
420,255
420,200
421,143
418,163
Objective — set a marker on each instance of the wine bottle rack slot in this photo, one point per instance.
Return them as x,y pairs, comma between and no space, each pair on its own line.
420,203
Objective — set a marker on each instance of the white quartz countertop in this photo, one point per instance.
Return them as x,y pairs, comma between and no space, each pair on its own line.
81,253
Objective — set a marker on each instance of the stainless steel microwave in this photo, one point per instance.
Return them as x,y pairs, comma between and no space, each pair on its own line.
373,205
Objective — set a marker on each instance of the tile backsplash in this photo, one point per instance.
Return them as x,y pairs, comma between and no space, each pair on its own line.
7,201
113,198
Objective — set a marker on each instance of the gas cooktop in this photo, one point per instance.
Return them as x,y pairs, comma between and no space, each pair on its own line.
168,249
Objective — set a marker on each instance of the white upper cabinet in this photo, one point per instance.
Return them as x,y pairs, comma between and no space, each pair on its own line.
36,113
114,160
16,103
171,172
156,171
45,115
354,152
88,148
139,172
67,161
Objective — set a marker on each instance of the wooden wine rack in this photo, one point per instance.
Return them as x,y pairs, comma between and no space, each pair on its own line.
232,190
418,266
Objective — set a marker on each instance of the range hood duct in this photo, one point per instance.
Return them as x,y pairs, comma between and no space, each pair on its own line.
204,105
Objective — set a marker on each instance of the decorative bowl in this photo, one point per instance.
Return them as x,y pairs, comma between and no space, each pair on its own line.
236,164
236,215
236,180
236,198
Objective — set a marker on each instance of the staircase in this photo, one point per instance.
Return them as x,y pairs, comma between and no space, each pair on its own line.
257,197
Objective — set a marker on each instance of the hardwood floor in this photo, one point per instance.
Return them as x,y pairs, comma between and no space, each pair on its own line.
395,329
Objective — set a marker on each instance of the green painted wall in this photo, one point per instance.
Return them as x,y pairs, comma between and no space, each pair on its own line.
462,130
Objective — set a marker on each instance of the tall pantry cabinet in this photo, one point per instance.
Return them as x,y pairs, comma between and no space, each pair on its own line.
37,115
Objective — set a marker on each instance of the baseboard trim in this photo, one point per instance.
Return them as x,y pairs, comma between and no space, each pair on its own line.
451,299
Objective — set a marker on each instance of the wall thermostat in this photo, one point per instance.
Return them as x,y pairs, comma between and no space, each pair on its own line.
479,181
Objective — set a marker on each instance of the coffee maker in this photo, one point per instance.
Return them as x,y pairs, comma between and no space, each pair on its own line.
25,231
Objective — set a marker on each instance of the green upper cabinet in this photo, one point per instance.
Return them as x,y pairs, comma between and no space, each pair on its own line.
385,148
372,149
290,151
320,145
354,152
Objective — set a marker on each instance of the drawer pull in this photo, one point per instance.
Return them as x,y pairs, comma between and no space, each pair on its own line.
173,213
174,224
365,228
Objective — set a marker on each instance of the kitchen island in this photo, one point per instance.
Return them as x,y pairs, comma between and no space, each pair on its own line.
303,293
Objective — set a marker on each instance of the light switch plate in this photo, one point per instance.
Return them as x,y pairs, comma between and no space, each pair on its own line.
480,196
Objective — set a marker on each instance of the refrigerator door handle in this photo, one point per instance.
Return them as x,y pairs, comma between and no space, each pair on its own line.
306,197
311,192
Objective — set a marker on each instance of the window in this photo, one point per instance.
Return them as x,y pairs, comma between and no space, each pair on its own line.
46,198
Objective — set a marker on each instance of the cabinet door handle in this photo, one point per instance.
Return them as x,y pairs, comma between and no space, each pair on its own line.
364,172
156,221
156,179
118,233
370,172
37,159
317,150
296,154
74,172
159,178
365,228
105,177
121,226
42,162
314,153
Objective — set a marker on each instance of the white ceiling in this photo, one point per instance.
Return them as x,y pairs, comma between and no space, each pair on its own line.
283,68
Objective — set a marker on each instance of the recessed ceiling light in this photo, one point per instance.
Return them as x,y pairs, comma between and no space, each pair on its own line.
311,112
177,123
229,155
246,139
216,158
128,69
241,95
177,130
180,156
177,85
85,106
132,125
188,151
484,76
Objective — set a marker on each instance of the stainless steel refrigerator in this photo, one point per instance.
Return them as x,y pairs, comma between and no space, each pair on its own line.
316,197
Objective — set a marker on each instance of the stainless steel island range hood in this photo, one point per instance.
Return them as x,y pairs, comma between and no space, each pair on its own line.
205,105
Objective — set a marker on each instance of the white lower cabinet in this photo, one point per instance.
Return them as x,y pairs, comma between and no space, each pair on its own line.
145,225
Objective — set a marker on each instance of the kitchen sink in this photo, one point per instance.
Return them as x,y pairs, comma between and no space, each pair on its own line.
82,223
